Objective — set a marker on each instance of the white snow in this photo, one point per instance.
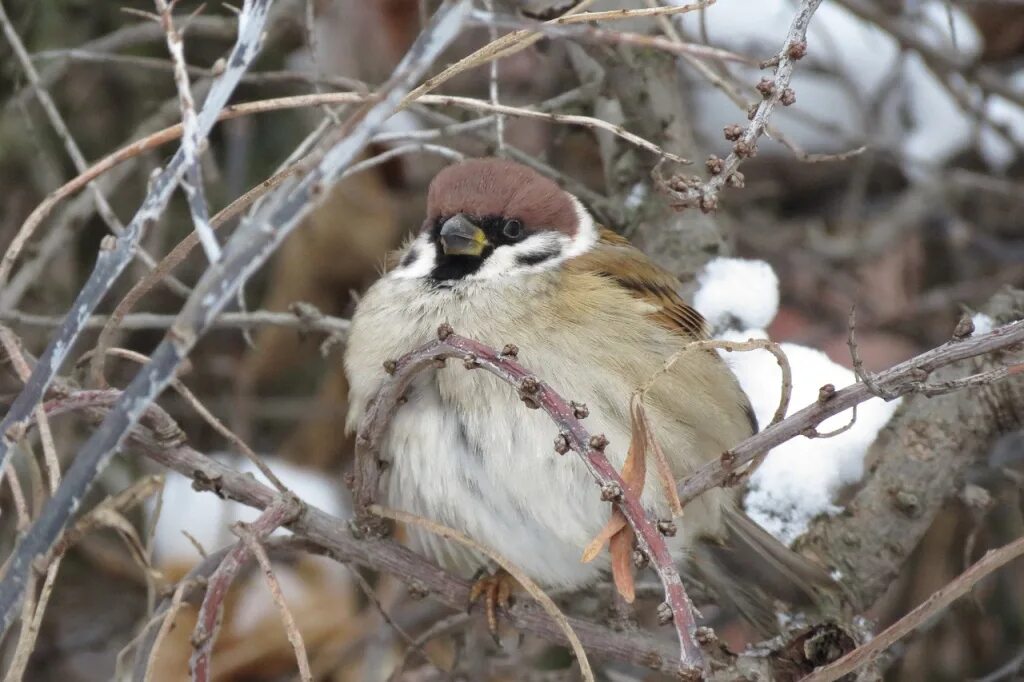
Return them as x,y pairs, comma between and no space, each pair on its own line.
636,196
309,584
983,324
208,518
737,293
801,478
998,154
855,86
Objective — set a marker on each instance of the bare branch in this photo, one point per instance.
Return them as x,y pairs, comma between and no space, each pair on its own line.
935,604
306,319
901,379
691,192
191,139
250,246
279,513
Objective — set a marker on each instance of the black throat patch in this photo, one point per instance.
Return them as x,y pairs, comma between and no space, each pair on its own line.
448,268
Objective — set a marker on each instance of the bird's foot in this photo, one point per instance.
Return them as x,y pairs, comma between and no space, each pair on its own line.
495,590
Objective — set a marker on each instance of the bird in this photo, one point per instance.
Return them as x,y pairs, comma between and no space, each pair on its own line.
506,256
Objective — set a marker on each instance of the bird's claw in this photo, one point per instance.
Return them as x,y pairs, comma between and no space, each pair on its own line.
496,591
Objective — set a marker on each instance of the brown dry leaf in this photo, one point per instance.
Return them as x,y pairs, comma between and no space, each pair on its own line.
616,523
617,533
621,549
634,471
668,481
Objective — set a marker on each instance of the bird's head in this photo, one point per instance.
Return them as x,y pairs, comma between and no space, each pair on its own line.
491,218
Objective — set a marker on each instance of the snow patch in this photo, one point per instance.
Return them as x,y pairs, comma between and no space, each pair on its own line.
801,478
208,518
738,293
983,324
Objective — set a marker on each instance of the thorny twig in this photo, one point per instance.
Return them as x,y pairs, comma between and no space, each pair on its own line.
906,377
691,192
155,438
277,514
572,435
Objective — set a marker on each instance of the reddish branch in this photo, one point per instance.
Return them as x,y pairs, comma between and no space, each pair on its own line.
280,512
571,434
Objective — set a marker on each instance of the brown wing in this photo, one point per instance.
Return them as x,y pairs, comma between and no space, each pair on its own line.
614,257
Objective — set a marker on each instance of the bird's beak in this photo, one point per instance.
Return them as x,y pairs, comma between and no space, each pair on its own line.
460,237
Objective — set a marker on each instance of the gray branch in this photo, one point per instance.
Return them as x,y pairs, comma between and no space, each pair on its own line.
250,246
114,256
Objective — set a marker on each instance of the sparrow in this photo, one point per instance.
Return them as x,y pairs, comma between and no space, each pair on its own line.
506,256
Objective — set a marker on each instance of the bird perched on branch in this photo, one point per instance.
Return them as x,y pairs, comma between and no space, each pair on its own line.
506,256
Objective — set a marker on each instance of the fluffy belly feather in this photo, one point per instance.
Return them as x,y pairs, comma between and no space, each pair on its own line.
484,464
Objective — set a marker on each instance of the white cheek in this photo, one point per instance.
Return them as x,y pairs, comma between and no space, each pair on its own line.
505,259
586,231
422,265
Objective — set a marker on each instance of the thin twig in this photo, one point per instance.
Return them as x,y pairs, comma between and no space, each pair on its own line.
600,36
255,546
441,627
191,139
334,535
935,604
898,380
60,127
279,513
207,416
249,247
251,320
686,194
499,120
112,260
276,104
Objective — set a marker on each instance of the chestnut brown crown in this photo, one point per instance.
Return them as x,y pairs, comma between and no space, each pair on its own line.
490,187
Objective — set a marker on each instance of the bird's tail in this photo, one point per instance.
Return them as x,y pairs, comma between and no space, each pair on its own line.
753,572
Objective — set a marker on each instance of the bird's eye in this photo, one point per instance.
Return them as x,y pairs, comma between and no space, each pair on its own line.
513,229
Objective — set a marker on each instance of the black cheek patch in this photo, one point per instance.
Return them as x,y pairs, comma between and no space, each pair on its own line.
528,259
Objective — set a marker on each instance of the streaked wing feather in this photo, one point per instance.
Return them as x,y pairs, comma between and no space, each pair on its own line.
614,257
